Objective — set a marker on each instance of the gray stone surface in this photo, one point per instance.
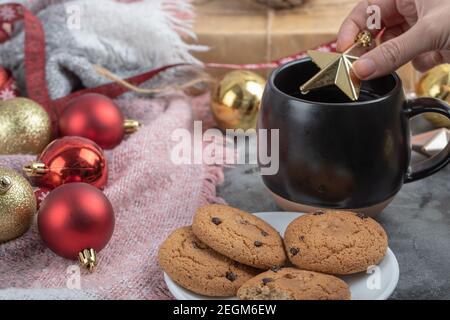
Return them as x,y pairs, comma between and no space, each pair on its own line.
417,222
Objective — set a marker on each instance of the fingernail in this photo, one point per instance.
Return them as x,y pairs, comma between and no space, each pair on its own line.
364,68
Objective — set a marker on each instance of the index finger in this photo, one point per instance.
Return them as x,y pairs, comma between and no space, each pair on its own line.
351,26
357,21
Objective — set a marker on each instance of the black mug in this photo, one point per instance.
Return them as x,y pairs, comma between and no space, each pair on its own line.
336,154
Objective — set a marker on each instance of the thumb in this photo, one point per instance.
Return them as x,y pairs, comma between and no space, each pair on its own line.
392,54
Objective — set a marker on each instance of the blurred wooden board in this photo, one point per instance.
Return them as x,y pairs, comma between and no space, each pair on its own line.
243,31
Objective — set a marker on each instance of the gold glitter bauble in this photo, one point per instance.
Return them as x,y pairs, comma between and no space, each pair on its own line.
17,205
236,100
25,127
436,84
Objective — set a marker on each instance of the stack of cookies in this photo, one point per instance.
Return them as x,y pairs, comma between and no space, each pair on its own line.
229,252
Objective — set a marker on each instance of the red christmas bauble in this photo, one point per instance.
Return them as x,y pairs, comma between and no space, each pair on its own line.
75,217
3,77
93,116
67,160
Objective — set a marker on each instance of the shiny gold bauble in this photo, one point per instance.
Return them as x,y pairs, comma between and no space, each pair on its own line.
17,205
25,127
436,84
236,100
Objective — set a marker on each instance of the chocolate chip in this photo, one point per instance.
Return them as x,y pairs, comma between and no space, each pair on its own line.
289,276
197,245
258,243
318,213
264,234
266,280
294,251
230,276
216,221
275,268
301,238
361,215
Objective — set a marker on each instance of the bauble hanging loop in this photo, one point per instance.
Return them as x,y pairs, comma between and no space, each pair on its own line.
35,169
76,221
131,126
5,184
88,259
67,160
96,117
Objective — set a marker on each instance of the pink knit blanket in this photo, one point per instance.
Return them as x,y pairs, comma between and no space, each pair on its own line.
151,197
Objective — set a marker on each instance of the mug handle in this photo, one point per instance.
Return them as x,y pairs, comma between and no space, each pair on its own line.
437,162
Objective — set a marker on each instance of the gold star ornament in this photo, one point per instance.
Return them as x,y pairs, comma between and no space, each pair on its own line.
336,68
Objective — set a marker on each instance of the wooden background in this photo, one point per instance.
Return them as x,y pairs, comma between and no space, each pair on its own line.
243,31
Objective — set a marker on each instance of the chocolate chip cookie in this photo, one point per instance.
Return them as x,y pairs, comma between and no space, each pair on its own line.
294,284
239,235
335,242
195,266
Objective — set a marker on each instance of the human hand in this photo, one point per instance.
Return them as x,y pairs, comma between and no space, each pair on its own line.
417,30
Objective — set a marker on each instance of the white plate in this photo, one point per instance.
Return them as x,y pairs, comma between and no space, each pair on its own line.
376,285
